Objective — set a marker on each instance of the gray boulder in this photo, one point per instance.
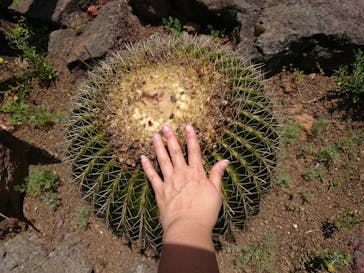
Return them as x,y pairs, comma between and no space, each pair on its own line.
304,32
115,25
50,10
276,32
23,254
59,47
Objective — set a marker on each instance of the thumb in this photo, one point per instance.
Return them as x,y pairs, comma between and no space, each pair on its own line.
217,171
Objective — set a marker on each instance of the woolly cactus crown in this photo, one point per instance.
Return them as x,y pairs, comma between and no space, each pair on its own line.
171,81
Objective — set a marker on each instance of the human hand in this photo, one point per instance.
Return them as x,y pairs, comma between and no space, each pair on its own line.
186,197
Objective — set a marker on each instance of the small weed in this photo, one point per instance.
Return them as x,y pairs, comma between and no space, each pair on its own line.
18,111
329,153
292,206
259,257
52,199
216,34
349,144
40,118
331,262
290,131
306,196
81,221
298,74
173,25
320,125
307,149
333,183
39,180
347,219
101,261
315,173
18,37
351,80
283,179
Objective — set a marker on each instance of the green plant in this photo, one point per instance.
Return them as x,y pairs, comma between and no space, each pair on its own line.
18,38
52,199
82,218
351,83
40,118
347,219
350,143
307,149
298,74
174,81
333,183
330,262
282,178
292,206
259,257
20,113
306,196
329,153
290,131
39,180
315,173
101,261
320,125
173,25
216,34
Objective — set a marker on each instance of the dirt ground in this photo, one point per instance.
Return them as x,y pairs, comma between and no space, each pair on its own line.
313,184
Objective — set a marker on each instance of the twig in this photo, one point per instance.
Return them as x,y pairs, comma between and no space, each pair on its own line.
4,216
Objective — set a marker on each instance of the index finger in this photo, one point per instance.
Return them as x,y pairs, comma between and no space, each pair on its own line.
193,147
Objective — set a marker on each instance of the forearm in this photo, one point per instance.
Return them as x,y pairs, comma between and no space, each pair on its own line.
188,249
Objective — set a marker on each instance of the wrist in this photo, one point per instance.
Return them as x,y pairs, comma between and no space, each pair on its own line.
188,233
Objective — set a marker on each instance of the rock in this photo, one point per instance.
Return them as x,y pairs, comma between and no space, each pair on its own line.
60,46
273,31
24,254
69,256
114,24
50,10
141,267
151,11
328,34
359,257
306,120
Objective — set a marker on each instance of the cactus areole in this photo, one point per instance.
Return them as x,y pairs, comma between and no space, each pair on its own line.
172,81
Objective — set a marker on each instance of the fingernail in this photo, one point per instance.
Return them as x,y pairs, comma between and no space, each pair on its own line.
155,137
143,158
165,128
189,128
226,162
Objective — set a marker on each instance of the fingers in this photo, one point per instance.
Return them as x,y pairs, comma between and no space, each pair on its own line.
217,171
173,147
193,147
163,158
152,175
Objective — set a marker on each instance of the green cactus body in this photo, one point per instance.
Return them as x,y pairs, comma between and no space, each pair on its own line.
171,81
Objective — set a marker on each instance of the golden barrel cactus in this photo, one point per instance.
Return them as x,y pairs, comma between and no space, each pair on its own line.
174,81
